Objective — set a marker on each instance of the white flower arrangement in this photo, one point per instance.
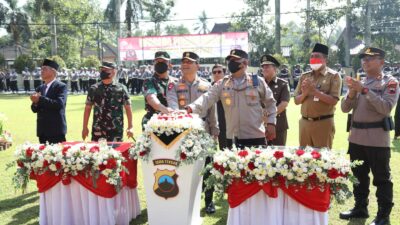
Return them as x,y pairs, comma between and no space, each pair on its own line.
293,166
67,161
196,145
5,137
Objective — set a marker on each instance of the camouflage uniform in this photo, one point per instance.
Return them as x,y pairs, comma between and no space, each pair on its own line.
108,118
158,87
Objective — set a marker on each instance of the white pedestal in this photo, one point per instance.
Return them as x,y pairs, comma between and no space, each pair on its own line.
178,202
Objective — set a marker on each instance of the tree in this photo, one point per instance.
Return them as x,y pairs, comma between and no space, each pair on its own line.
278,26
159,11
16,22
176,30
23,61
91,61
134,10
2,61
60,61
201,25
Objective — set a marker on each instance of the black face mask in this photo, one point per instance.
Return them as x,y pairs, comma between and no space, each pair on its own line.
104,75
234,66
160,67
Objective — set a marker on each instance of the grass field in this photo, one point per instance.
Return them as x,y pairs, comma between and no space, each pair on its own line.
17,208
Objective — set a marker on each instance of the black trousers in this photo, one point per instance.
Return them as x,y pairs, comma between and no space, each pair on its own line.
14,86
52,140
241,143
280,139
376,160
85,85
27,85
74,86
397,120
208,194
8,84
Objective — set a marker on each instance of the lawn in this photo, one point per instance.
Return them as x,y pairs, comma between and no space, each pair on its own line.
17,208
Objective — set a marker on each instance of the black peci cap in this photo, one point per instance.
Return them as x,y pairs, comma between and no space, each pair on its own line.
50,63
318,47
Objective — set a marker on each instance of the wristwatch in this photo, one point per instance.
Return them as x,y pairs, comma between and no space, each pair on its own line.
364,91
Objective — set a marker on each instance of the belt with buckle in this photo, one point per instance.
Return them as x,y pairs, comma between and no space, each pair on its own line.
317,118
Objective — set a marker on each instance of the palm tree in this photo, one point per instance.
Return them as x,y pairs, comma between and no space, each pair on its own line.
16,22
133,11
159,11
202,24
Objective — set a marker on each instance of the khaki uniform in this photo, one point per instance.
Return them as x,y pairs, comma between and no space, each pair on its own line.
183,93
245,105
314,130
280,90
372,107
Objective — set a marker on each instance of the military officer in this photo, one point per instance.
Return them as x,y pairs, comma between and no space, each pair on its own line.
246,99
185,91
108,98
155,88
280,90
318,92
371,100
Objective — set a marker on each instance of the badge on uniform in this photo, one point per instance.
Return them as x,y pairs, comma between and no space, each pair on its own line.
228,101
170,86
181,86
202,88
392,85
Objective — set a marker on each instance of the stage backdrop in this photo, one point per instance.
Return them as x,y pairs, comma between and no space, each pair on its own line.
205,45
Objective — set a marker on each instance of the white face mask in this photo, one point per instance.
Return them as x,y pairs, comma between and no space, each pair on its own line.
315,66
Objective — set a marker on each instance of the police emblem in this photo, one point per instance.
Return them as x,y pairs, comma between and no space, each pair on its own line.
187,54
170,86
228,101
165,184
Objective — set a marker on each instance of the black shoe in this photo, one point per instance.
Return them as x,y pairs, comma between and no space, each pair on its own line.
354,213
210,209
380,221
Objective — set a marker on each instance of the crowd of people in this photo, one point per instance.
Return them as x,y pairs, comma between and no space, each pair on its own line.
241,109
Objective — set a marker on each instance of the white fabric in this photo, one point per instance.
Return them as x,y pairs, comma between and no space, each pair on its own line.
73,204
260,209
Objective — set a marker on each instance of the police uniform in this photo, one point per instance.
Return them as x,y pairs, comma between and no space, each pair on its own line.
280,90
37,80
158,87
26,76
246,100
316,127
296,75
74,81
369,141
13,81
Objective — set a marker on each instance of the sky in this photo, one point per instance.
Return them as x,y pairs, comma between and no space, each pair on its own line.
191,9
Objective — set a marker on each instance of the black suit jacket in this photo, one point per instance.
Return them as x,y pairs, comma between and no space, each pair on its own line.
50,111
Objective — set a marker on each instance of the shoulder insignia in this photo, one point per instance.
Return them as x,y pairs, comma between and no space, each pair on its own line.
392,86
202,88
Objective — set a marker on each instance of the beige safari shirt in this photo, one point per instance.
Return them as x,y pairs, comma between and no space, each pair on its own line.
245,104
183,93
372,107
328,82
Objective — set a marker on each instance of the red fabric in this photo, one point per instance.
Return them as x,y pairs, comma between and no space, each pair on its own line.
48,180
314,199
315,61
238,192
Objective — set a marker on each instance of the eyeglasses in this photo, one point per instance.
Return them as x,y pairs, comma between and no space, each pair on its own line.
217,71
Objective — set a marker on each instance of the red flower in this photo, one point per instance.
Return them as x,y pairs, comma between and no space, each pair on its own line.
102,167
315,154
251,166
258,151
219,168
66,180
300,152
29,152
313,177
333,173
58,165
142,153
94,149
111,164
65,149
83,148
243,153
45,163
278,154
42,147
20,164
242,173
183,156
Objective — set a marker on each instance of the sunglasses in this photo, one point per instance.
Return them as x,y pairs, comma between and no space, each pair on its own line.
217,71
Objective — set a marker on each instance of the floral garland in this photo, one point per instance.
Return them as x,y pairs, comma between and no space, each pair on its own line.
295,166
66,161
5,137
196,145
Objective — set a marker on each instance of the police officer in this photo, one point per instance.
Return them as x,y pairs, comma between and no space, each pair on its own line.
155,88
185,91
26,76
2,78
85,79
37,80
318,92
371,100
74,81
246,99
14,81
296,75
280,90
121,75
218,73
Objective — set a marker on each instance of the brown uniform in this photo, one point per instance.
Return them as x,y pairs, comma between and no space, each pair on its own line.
316,127
280,90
